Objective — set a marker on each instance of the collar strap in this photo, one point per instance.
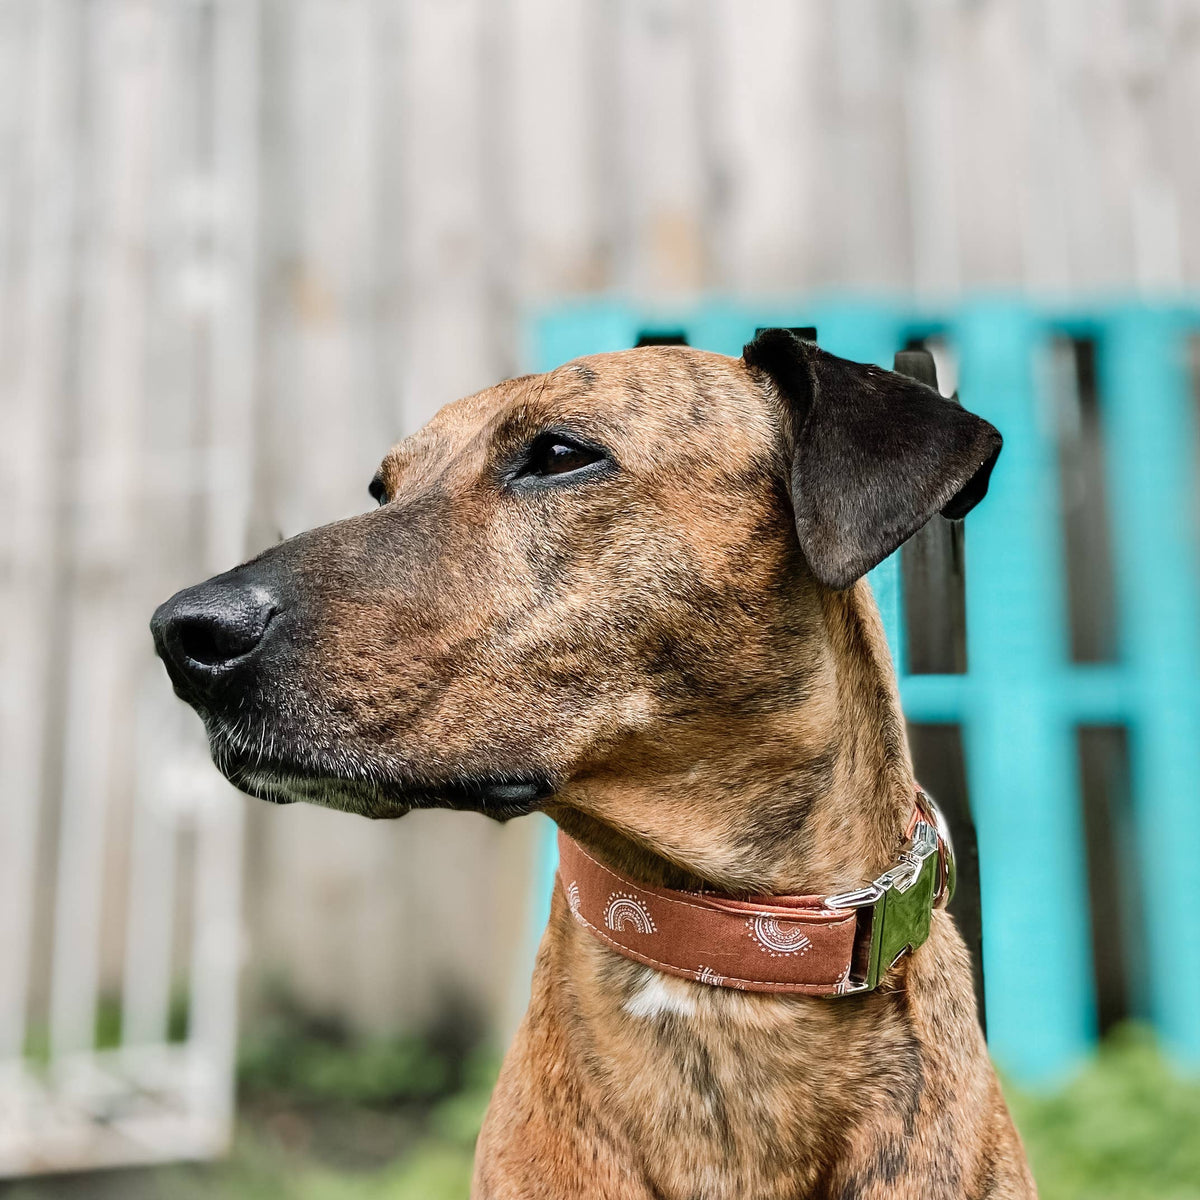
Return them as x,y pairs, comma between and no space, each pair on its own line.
809,945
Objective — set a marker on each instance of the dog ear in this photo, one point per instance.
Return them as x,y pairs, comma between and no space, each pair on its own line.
875,454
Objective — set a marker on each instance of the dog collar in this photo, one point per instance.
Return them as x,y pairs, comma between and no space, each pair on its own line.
836,945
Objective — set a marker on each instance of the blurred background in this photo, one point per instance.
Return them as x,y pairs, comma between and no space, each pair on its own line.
246,245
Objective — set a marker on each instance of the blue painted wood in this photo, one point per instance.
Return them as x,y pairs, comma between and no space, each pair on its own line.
1151,422
1022,700
1020,752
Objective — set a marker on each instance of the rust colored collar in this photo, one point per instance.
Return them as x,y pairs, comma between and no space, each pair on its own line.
808,945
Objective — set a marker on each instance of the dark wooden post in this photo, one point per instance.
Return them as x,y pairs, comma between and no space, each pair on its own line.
932,577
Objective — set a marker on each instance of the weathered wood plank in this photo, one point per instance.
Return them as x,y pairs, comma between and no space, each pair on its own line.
866,149
123,81
1182,85
441,121
1085,43
658,116
551,175
929,69
38,286
767,135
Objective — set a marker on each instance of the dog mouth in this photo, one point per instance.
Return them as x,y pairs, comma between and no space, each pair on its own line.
342,780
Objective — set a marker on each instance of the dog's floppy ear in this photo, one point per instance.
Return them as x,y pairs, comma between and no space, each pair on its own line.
875,455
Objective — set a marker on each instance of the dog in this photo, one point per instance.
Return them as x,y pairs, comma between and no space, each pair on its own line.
629,593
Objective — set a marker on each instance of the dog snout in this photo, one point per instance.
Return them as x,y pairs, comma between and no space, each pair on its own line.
206,634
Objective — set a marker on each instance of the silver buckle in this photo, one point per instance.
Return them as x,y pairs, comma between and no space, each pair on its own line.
902,899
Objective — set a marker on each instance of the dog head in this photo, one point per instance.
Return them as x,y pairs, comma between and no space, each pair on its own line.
573,583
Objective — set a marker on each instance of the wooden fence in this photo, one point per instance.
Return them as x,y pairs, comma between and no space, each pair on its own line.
245,244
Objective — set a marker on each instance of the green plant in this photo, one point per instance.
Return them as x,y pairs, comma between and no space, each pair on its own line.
1126,1128
316,1071
314,1061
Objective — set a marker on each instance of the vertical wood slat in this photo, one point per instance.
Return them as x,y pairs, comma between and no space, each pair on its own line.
219,811
17,28
868,146
331,137
1182,102
175,474
1148,39
1151,422
91,730
1020,746
1045,246
1084,502
939,761
123,69
934,639
765,120
1116,889
39,282
442,121
1091,64
660,131
234,330
553,198
931,121
989,64
931,569
150,918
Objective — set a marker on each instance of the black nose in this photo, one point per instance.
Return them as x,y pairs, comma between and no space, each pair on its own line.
206,633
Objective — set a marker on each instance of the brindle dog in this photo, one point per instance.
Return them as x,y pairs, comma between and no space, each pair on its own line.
629,593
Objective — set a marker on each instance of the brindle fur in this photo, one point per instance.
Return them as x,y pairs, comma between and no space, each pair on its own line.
653,645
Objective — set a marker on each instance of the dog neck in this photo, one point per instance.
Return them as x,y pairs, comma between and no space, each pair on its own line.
810,799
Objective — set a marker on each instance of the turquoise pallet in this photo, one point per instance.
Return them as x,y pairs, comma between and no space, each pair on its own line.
1022,699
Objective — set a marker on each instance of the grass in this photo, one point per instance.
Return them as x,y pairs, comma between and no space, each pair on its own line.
1127,1128
325,1117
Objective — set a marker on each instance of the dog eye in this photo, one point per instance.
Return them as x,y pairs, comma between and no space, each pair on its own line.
555,455
378,491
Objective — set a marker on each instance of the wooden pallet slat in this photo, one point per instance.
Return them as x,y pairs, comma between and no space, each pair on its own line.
1021,761
1151,419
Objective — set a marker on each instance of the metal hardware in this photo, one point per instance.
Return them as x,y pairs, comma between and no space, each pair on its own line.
901,900
860,899
948,874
